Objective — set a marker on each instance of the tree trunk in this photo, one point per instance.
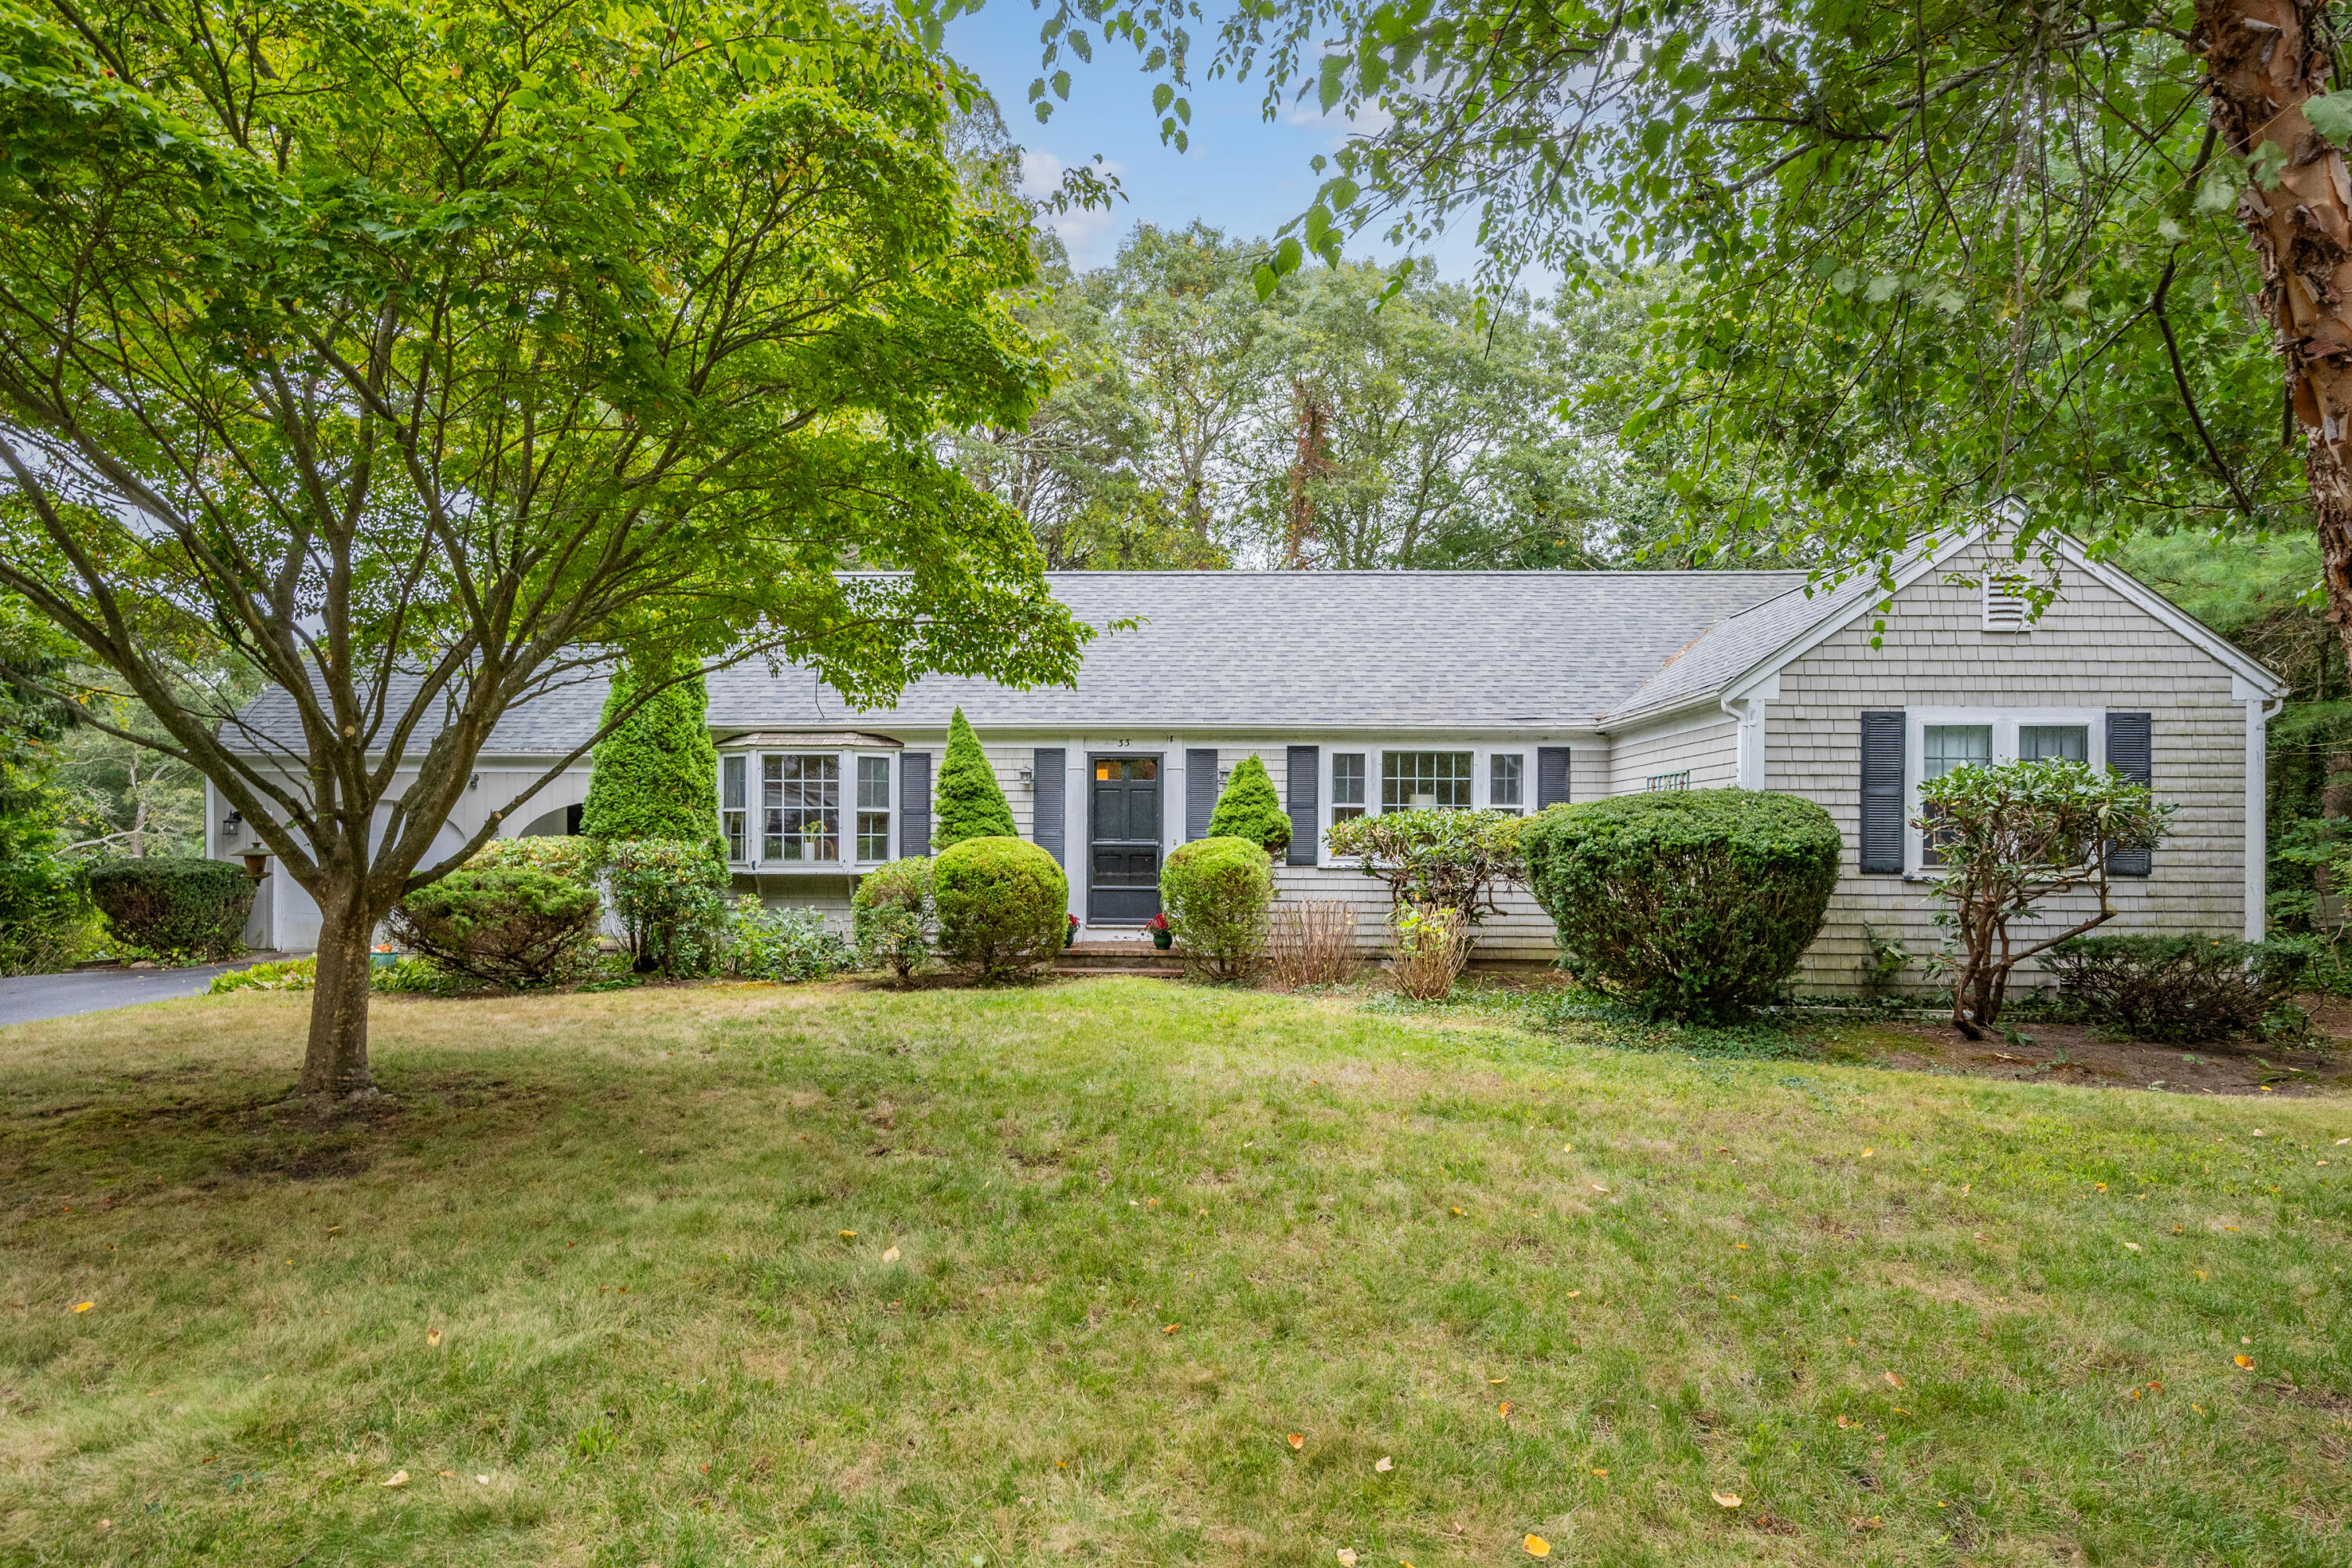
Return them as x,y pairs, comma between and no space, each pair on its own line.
335,1067
2263,58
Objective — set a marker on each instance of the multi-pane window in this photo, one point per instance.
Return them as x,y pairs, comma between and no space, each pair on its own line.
2063,742
1421,780
1504,790
1944,747
1948,746
1347,785
874,808
732,807
800,806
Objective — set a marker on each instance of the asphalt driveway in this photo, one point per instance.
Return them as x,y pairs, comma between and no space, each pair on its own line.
28,998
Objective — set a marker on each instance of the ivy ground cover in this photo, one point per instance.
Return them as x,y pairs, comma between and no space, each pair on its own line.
1123,1272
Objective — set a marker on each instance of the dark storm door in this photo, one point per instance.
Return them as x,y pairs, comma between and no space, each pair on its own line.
1123,858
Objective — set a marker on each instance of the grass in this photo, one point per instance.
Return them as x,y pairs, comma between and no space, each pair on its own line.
1118,1271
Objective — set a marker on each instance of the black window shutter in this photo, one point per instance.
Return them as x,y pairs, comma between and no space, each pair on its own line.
2131,751
1551,776
1882,792
914,802
1199,792
1304,799
1051,789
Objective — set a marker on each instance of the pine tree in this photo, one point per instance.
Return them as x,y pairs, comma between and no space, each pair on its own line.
970,805
656,776
1250,809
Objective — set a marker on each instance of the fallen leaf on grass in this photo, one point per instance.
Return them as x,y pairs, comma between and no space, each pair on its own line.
1600,1472
447,1475
2131,1246
1297,1441
1172,1328
1572,1294
433,1336
1726,1499
891,1256
1384,1464
84,1306
1599,1188
397,1479
1504,1408
848,1235
1347,1557
1536,1546
1866,1153
2245,1362
1892,1380
1845,1424
482,1481
1494,1380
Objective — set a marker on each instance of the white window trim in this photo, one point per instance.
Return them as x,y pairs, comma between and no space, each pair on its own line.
754,810
1482,782
2004,722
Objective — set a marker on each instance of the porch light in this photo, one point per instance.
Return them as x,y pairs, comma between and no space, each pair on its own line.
231,824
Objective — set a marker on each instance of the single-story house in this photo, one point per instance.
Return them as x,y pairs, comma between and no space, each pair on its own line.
1369,691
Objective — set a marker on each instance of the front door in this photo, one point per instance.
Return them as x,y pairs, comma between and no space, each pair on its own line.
1123,858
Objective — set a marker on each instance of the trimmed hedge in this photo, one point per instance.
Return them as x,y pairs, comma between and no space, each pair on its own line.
572,856
890,917
2178,989
971,803
656,775
1216,891
1004,907
175,907
509,925
1250,809
1685,904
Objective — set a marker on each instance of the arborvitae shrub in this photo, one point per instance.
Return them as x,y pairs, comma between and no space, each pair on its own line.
1250,809
1686,904
891,917
173,906
971,804
1216,892
1003,906
656,776
509,925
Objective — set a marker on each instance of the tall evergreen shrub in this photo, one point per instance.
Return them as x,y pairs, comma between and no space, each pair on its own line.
1250,809
970,805
656,776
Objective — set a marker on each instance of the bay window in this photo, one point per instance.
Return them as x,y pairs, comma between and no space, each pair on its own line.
783,810
874,808
731,812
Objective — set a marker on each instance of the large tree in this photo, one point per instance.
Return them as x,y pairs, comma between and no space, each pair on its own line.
423,358
2092,252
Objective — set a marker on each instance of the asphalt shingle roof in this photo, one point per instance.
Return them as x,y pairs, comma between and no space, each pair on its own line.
1736,643
1437,651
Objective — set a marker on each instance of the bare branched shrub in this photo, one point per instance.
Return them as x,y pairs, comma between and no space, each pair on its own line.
1310,941
1427,948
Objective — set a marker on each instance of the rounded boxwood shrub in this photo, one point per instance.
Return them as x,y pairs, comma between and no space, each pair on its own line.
573,857
1684,904
509,925
890,917
1216,892
1250,809
1003,906
175,907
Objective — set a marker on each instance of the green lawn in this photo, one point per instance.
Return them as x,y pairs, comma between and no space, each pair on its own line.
1122,1271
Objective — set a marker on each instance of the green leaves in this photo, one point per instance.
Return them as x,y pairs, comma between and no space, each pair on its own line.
2330,114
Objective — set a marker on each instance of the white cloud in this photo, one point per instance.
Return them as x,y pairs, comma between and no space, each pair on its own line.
1090,233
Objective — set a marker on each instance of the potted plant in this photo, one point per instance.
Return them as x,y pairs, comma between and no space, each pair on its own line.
1070,937
1161,937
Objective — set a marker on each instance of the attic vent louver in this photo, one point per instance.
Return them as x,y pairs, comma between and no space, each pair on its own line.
2006,605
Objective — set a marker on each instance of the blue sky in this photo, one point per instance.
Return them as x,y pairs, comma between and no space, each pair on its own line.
1241,174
